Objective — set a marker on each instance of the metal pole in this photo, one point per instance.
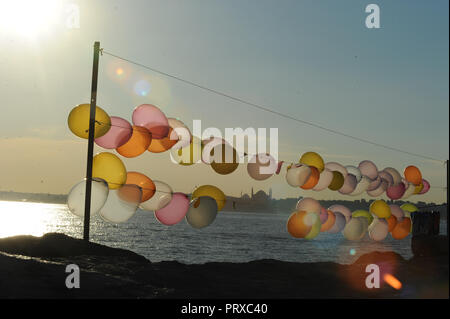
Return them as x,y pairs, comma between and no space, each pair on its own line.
448,174
87,202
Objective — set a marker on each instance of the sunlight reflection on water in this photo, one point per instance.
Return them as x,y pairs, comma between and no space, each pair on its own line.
233,237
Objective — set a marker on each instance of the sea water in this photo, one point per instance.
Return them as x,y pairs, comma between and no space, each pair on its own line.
233,237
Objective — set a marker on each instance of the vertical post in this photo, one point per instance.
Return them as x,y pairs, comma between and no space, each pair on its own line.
448,175
87,202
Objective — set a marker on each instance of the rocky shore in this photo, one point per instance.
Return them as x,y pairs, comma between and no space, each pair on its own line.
35,267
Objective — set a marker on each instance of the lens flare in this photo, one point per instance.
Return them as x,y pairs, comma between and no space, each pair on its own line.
142,88
392,281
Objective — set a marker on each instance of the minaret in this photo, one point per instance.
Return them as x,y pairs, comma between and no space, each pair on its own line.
252,192
270,193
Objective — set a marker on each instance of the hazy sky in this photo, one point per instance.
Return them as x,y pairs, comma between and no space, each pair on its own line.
313,60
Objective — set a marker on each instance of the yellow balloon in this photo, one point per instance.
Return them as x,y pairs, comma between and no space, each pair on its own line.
363,213
380,208
315,230
410,208
418,188
313,159
190,154
78,121
109,167
211,191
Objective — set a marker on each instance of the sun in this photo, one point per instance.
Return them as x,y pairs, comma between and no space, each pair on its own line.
29,18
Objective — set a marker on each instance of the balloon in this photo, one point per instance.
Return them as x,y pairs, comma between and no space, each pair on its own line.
409,207
180,133
413,175
386,177
313,159
380,209
392,222
323,215
121,204
226,159
363,213
349,184
395,192
418,188
329,222
374,184
309,205
397,212
298,175
354,171
380,190
402,229
365,226
409,189
368,169
296,225
163,144
339,223
426,187
261,167
397,178
145,183
202,212
78,121
361,187
161,198
324,180
211,191
341,209
312,180
119,133
188,155
333,166
137,144
379,229
109,167
77,195
153,119
354,229
175,210
314,220
337,182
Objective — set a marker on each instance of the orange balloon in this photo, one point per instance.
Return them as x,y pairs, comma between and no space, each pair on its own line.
329,222
402,229
164,144
413,175
392,222
313,178
296,225
144,182
137,144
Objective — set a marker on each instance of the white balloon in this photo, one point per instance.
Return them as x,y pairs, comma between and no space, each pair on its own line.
296,176
362,186
180,132
324,180
339,223
354,171
77,195
397,178
378,229
202,212
161,198
309,205
387,177
354,229
349,186
121,204
380,190
333,166
343,210
365,223
374,184
410,188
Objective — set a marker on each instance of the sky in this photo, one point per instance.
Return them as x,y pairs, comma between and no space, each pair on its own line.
313,60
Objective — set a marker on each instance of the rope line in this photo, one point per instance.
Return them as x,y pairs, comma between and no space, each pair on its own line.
270,110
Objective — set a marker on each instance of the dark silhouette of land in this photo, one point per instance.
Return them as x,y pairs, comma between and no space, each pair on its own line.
34,267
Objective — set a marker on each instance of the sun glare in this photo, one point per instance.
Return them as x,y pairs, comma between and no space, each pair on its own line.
29,18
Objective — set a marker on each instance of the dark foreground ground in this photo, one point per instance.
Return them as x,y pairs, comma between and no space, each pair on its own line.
34,267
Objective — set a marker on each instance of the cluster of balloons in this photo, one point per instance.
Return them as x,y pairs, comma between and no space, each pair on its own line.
117,193
312,173
310,218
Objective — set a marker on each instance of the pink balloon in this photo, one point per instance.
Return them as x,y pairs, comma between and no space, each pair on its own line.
341,209
309,205
426,187
153,119
369,169
323,215
374,184
396,191
349,184
119,133
175,211
387,177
